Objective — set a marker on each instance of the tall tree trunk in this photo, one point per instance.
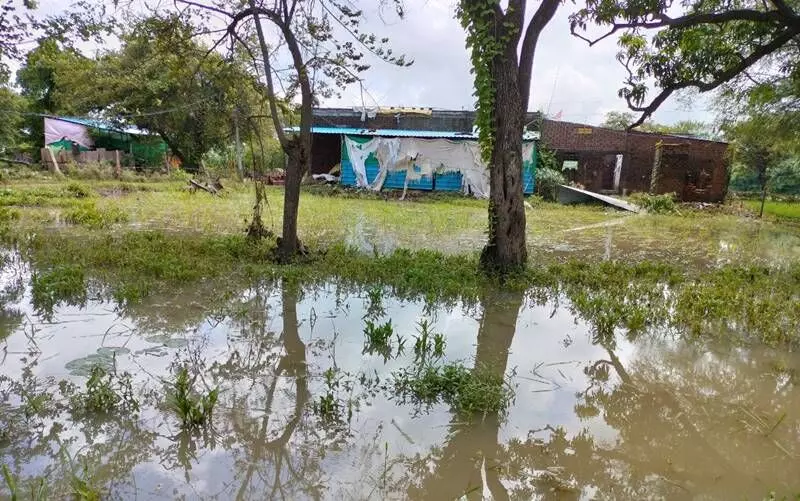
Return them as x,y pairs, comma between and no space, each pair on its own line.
506,250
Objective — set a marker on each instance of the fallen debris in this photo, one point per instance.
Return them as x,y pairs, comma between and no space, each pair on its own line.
213,188
572,195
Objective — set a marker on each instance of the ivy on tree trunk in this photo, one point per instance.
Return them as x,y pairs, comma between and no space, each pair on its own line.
502,90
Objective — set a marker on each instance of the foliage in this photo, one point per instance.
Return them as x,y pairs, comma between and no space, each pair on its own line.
193,410
106,393
90,216
548,173
378,339
618,120
656,204
470,392
428,345
19,23
478,19
166,82
66,283
705,44
11,124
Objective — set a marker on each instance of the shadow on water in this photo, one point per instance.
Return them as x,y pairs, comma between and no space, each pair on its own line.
612,399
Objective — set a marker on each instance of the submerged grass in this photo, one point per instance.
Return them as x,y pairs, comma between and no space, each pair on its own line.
753,302
469,391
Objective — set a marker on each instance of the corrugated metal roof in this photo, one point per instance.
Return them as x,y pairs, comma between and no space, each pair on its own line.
395,132
101,124
388,132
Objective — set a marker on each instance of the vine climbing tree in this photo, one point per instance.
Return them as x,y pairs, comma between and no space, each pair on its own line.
502,49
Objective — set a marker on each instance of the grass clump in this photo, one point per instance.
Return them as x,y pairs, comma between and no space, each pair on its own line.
470,392
193,410
106,393
656,204
61,284
78,190
38,489
428,344
90,216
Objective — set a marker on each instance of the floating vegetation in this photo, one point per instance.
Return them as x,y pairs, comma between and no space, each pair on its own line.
428,344
475,391
106,393
193,410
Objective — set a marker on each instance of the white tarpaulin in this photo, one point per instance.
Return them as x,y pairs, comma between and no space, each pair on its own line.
428,155
55,130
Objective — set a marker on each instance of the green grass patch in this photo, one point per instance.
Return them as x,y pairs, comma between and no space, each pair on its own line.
469,392
89,215
789,211
64,283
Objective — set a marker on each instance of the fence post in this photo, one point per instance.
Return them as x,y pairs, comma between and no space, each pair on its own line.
117,166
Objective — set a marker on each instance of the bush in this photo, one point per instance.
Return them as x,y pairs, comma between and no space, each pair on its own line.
90,216
656,204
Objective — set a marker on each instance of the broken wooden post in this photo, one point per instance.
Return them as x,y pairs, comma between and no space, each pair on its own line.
52,163
117,165
655,175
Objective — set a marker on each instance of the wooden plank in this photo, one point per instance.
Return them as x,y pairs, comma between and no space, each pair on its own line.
570,195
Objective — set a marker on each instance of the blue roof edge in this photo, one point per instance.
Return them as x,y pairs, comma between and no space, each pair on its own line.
435,134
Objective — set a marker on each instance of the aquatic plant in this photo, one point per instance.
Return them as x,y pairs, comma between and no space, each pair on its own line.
193,410
476,391
427,343
59,284
106,392
375,307
38,488
378,338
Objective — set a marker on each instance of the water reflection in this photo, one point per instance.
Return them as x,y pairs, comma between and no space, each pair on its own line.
471,452
604,409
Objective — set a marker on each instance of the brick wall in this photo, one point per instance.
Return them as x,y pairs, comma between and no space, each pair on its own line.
694,169
568,136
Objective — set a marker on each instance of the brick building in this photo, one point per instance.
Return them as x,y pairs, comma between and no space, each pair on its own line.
600,159
615,161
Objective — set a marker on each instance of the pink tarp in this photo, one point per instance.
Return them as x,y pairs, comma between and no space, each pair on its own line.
56,130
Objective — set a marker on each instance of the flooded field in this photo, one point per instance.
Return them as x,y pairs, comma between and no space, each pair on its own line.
327,391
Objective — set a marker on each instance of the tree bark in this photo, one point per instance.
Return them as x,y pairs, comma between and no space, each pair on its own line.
505,250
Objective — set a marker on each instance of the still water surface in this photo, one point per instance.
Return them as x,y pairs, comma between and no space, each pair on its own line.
630,417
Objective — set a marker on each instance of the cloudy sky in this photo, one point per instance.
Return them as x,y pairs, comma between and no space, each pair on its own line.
569,77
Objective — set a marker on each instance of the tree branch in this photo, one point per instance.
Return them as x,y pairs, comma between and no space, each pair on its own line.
273,107
690,20
721,78
541,17
206,7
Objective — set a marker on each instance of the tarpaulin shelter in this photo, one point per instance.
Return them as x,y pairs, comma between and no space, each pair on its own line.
416,159
70,133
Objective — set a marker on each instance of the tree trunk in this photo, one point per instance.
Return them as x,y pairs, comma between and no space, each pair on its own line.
298,159
506,251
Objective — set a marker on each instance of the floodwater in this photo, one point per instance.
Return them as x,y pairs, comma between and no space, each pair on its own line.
698,242
594,417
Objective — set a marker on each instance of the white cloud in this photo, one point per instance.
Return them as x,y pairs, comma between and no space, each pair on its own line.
568,75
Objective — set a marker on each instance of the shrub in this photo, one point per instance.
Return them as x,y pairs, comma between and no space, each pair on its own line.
656,204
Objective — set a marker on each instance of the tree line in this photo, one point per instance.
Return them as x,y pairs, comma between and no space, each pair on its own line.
197,72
